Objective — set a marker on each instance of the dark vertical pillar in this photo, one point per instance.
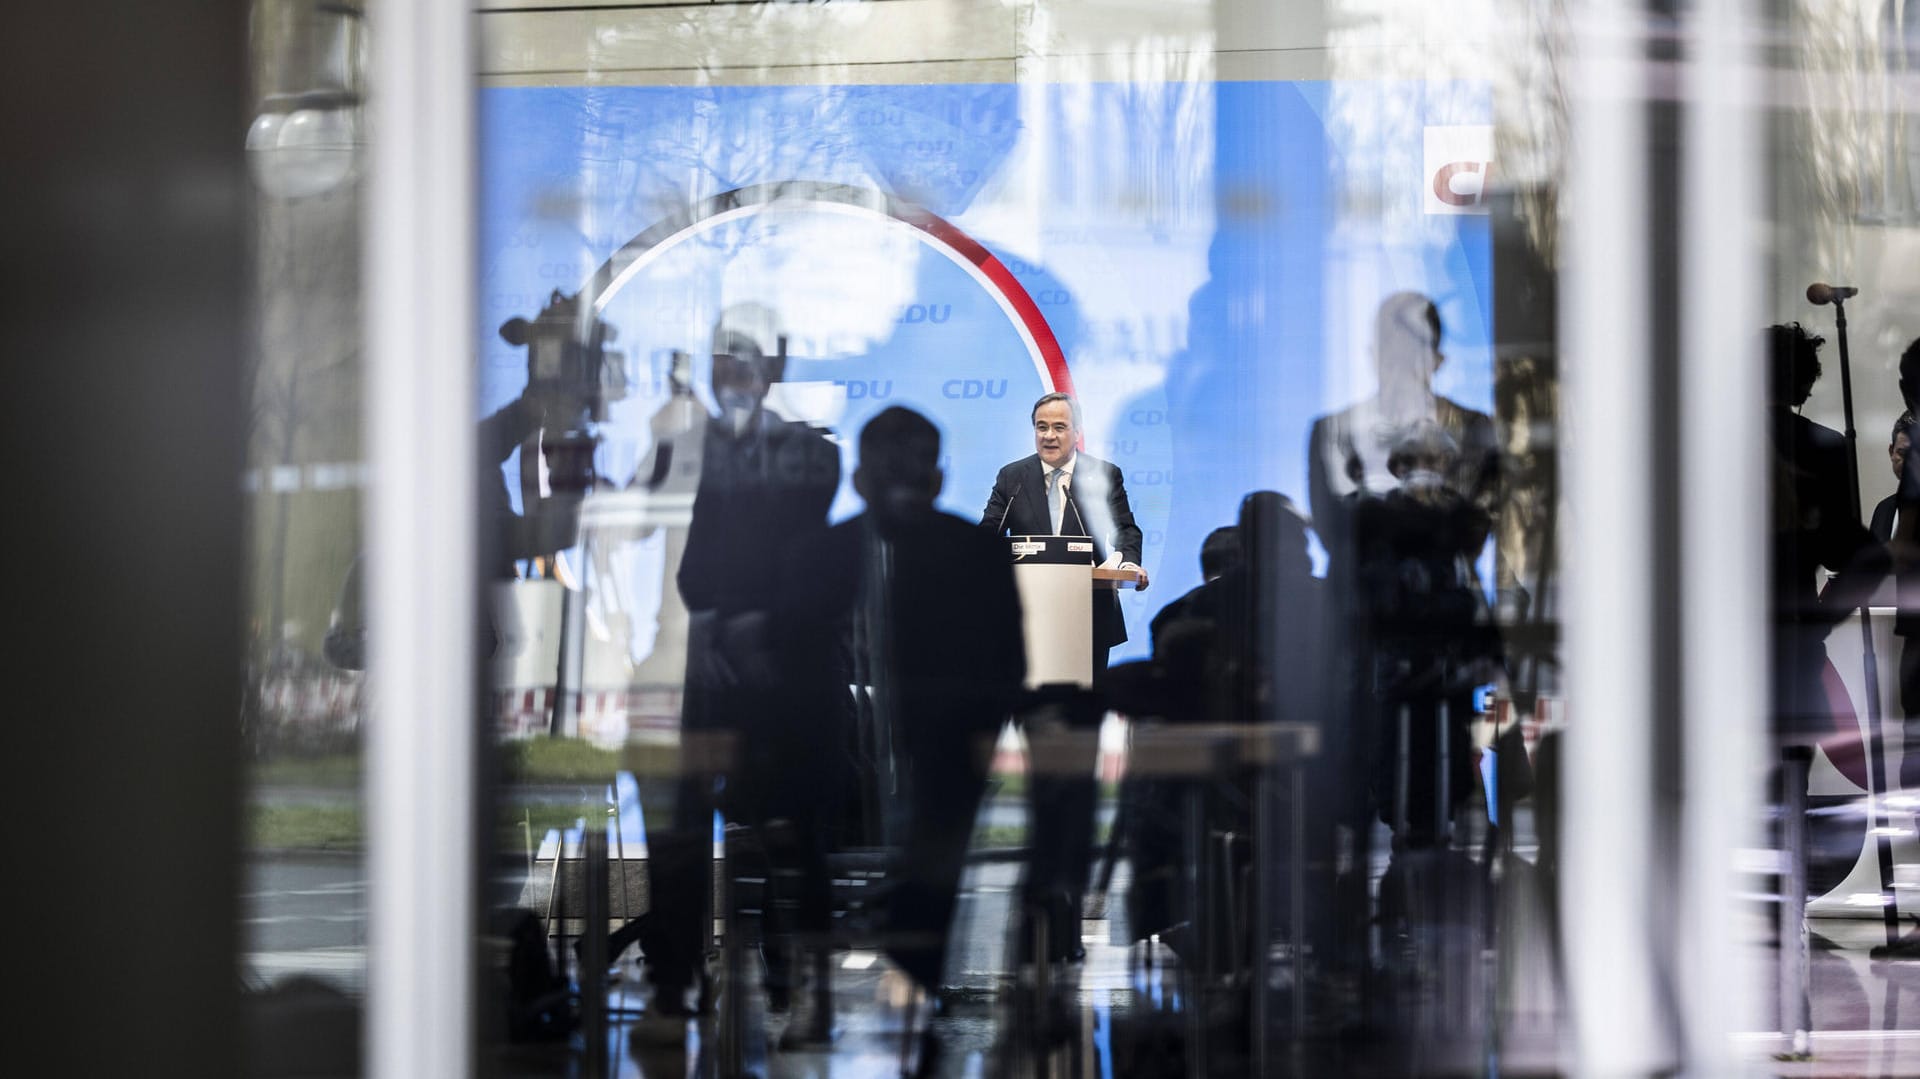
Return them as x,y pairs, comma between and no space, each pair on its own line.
122,219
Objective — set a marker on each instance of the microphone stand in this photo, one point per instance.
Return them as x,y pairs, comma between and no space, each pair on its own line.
1879,779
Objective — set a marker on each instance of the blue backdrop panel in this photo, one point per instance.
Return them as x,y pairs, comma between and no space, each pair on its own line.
1208,257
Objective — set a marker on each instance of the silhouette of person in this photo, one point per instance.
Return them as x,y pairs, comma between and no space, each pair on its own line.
1219,554
1172,686
1904,545
1815,525
534,422
930,602
1249,645
1886,511
1348,451
1422,610
766,694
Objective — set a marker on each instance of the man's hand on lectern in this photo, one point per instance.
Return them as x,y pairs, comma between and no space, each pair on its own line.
1142,576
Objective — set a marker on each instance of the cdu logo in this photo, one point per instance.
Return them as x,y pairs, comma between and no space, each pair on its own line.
1147,417
968,389
1459,168
868,389
927,312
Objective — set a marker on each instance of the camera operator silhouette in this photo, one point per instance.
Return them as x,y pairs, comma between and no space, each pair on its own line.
549,424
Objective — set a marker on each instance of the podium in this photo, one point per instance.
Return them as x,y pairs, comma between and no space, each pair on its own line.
1056,576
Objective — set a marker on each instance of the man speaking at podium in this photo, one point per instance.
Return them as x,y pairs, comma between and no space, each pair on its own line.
1060,491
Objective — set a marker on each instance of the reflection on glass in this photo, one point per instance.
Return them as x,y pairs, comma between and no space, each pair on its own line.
303,959
781,290
842,306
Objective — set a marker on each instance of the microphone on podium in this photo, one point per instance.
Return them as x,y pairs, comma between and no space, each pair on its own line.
1066,490
1820,293
1003,513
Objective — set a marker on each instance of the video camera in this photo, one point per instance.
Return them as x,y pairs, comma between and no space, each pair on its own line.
571,378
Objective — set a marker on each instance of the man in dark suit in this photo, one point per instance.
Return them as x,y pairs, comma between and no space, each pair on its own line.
765,700
944,664
1886,512
1348,451
1059,491
1903,532
1219,553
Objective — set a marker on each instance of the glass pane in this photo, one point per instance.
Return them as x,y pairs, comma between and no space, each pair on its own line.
1842,209
845,677
305,887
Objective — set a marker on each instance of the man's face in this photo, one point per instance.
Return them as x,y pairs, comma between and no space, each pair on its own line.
1897,453
1053,433
738,383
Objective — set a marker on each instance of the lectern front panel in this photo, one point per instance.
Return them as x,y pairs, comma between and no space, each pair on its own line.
1055,577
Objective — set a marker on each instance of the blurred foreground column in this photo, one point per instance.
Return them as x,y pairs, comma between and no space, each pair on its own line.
422,583
124,225
1666,535
1611,855
1724,525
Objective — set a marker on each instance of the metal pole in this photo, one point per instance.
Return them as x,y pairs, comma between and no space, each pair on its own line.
1443,777
1796,1017
564,719
593,950
1879,779
1297,897
620,848
1260,962
1196,967
733,952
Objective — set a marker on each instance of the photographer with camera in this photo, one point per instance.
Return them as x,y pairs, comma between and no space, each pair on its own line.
549,422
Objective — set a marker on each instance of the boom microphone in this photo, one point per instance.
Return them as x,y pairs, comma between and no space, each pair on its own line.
1821,293
1067,490
1009,509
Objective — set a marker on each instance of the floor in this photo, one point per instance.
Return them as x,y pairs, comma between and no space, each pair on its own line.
1866,1012
1119,1017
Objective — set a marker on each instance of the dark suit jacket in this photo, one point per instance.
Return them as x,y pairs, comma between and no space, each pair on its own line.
1906,622
1882,526
944,665
1097,497
761,493
1814,526
1335,470
952,658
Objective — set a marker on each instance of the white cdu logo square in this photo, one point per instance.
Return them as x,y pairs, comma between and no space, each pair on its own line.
1459,172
